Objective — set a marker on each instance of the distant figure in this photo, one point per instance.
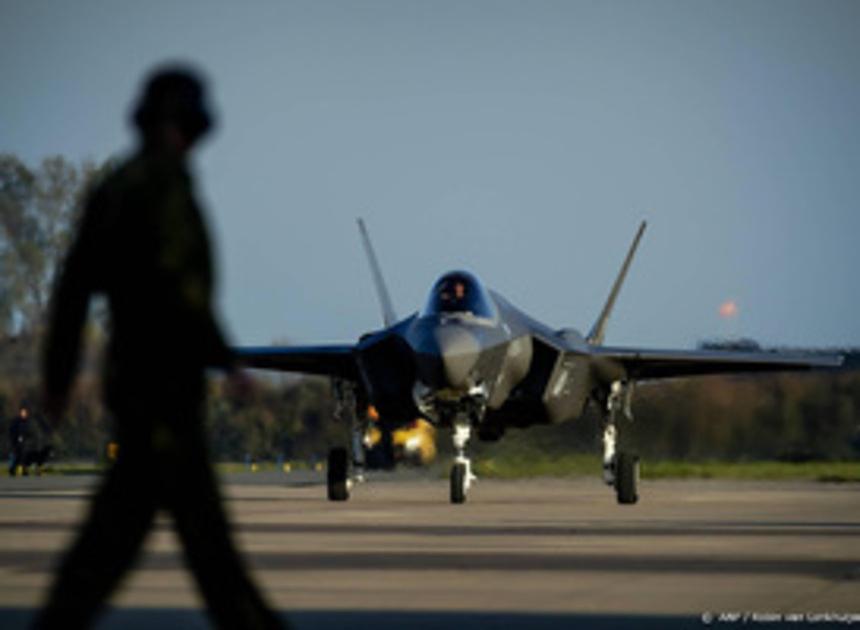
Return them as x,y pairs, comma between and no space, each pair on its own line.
38,449
142,242
19,439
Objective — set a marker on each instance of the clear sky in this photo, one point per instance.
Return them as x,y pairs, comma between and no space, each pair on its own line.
521,140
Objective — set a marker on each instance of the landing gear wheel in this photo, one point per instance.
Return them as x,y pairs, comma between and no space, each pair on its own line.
627,478
338,469
458,483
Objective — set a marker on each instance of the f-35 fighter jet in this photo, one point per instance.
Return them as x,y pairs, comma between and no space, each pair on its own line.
469,361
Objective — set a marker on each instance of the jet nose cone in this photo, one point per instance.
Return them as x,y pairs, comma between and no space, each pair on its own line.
458,349
446,355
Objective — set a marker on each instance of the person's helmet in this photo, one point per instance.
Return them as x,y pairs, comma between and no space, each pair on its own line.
173,94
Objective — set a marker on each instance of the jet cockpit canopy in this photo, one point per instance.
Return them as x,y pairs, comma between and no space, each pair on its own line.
459,292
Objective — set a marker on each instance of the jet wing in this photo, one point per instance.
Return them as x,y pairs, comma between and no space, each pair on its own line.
329,360
652,364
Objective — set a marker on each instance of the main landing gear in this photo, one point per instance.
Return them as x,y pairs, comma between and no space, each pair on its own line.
337,475
339,481
620,469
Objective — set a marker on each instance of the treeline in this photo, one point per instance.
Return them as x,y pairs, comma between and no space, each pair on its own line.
792,417
291,421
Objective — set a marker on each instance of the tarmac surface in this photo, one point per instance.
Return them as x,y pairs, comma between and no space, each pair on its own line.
546,553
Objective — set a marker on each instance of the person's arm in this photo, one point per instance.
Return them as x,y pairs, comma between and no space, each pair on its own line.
67,313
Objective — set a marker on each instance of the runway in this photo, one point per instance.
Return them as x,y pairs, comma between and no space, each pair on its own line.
546,553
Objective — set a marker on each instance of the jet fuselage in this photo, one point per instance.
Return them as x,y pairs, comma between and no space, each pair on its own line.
439,363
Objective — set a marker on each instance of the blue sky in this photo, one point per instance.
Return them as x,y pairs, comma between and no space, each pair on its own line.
521,140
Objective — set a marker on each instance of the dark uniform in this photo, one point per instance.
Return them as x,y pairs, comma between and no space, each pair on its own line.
19,433
142,242
39,441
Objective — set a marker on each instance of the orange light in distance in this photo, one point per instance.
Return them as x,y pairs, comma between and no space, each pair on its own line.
729,309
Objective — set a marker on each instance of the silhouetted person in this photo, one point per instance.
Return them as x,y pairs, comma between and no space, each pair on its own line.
142,242
19,439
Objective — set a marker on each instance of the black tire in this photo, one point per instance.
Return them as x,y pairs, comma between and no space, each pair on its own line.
458,483
627,478
338,469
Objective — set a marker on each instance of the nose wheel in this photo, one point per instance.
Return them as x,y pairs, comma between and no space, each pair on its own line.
461,472
460,481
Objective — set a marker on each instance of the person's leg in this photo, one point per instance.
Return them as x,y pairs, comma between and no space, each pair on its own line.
106,546
195,502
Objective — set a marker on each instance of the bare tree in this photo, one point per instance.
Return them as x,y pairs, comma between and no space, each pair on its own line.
37,210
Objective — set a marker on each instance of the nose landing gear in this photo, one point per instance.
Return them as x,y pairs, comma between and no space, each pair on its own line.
461,472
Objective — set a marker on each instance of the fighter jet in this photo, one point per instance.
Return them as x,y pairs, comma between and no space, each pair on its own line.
471,362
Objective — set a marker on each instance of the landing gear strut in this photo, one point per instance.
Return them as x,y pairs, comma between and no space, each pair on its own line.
461,472
620,469
338,478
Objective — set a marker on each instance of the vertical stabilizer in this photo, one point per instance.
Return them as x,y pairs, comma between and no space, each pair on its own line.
595,337
388,315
